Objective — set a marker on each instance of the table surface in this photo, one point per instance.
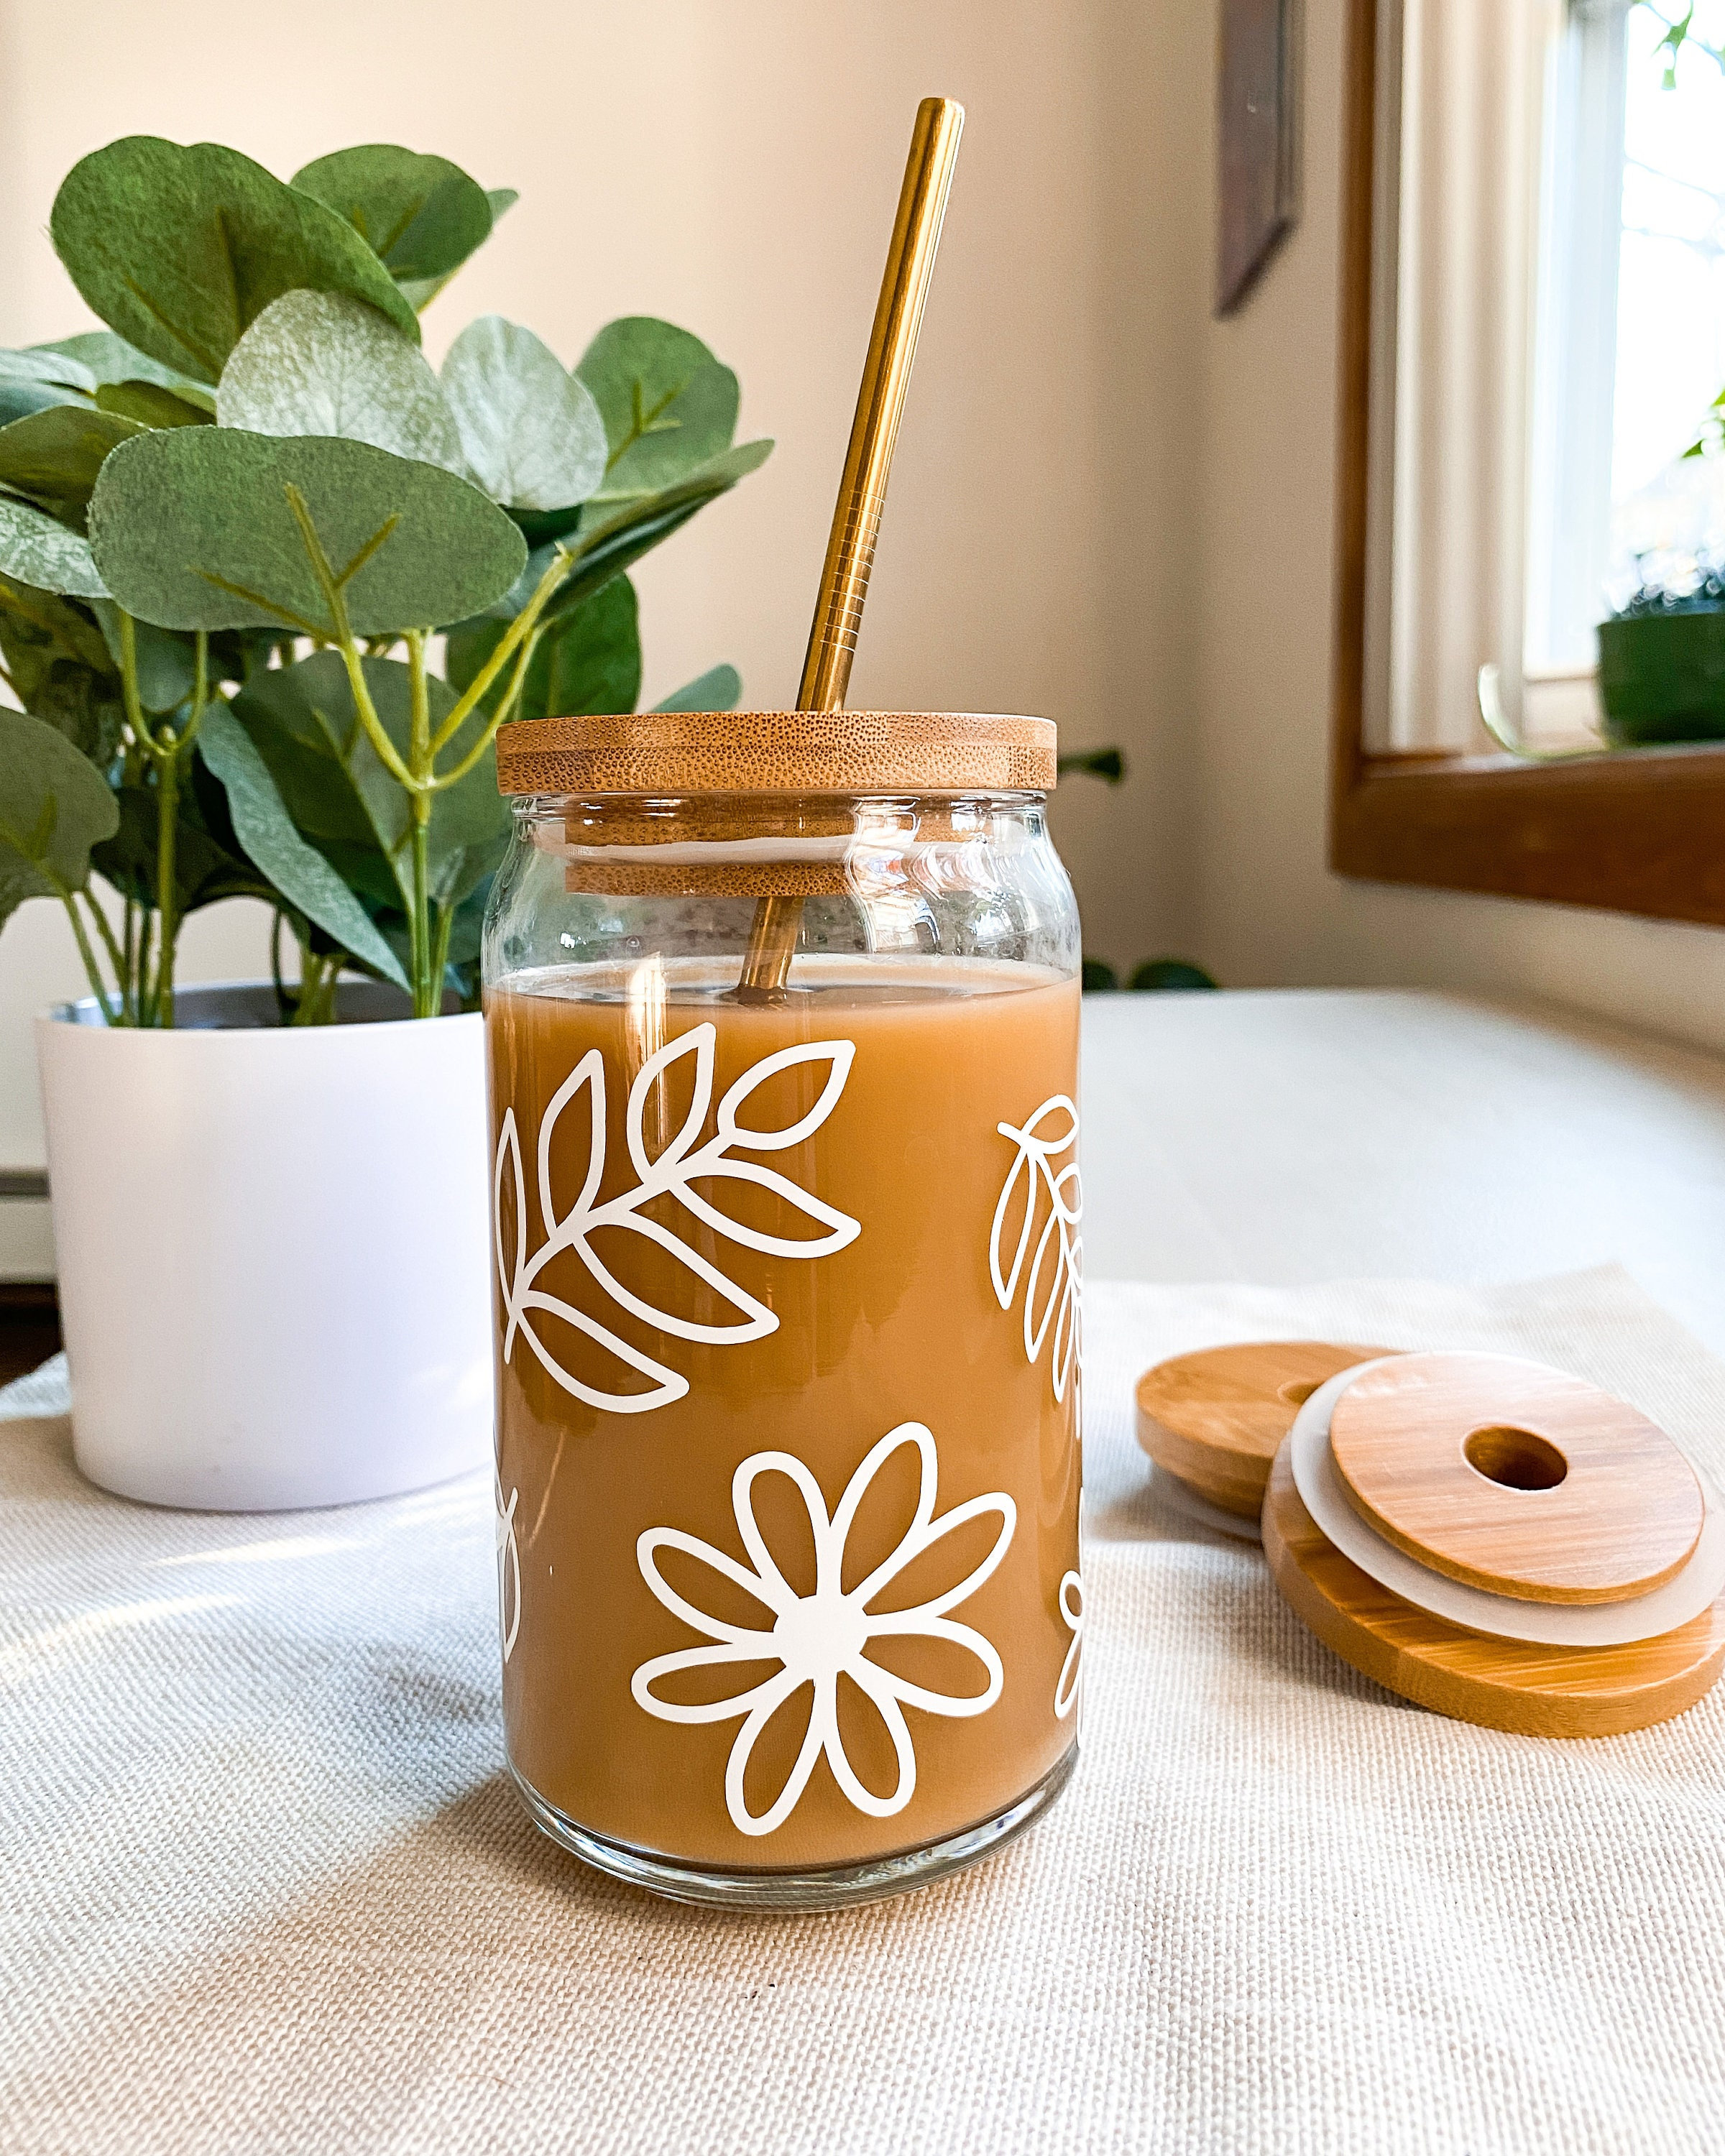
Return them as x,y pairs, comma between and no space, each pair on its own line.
265,1887
1289,1136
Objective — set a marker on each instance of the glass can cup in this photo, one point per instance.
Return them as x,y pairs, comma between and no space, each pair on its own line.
782,1024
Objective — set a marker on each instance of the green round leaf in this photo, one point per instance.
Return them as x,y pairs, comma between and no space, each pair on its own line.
60,669
339,793
419,292
33,620
587,662
46,364
152,405
55,806
107,358
53,457
19,397
181,249
532,432
718,689
320,363
668,403
262,826
194,528
421,215
614,536
35,550
208,864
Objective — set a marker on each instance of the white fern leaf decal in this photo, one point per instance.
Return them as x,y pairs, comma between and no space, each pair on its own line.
1050,1272
681,1162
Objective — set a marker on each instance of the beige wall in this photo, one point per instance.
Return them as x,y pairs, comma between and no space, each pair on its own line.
733,165
1268,912
1106,507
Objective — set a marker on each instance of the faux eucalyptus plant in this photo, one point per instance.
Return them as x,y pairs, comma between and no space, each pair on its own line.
268,584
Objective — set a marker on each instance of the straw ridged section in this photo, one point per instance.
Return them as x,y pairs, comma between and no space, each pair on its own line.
680,752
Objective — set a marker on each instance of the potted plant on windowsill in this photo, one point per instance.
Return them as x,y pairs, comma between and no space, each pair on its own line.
268,586
1662,665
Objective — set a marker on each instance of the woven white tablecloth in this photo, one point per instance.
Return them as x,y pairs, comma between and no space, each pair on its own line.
264,1885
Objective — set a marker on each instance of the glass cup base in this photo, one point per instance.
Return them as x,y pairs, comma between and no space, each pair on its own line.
834,1887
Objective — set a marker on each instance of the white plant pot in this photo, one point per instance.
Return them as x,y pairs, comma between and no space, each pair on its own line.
273,1249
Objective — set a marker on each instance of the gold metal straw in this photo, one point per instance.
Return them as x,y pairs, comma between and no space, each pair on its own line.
862,491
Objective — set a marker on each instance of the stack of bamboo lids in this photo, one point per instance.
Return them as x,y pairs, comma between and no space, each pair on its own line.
1212,1421
1500,1542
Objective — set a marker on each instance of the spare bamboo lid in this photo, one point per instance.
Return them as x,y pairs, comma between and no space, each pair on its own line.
679,753
1470,1583
1517,1479
1214,1417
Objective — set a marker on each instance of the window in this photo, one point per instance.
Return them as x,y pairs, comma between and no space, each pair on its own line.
1532,329
1631,332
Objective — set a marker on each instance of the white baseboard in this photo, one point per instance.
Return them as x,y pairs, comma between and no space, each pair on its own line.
26,1239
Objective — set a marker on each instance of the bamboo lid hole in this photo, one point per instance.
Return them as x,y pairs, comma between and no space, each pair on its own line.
1514,1459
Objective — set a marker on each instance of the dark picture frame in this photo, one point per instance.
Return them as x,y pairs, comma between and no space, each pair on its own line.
1257,141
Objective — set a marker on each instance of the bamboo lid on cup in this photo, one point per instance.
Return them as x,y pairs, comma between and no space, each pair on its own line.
808,752
763,797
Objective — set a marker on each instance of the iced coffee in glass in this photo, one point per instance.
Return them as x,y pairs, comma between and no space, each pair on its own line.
788,1295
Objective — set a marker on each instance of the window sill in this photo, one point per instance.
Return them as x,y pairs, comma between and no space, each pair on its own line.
1642,832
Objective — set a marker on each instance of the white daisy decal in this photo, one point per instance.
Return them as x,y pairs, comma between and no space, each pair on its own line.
817,1637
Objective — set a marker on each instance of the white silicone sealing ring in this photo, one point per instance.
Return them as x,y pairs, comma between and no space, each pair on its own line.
1316,1478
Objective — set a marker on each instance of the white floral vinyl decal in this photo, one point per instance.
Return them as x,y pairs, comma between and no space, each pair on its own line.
1071,1677
509,1572
1051,1274
680,1165
816,1638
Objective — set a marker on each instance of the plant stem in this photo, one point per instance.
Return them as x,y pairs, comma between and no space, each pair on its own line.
427,984
519,630
351,656
283,1001
167,805
427,998
116,956
440,955
141,967
316,975
176,749
93,971
129,684
506,702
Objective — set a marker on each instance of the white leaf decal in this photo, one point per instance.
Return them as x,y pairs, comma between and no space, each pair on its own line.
681,1162
838,1054
509,1570
700,1045
1049,1271
1071,1676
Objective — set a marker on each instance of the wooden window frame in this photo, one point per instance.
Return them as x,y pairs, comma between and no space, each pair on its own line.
1640,831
